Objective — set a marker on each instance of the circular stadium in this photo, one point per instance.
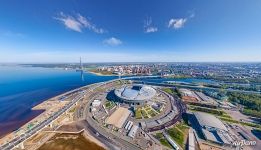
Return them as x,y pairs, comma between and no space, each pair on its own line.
135,94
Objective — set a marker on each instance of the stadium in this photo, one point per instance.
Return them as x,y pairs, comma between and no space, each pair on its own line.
135,94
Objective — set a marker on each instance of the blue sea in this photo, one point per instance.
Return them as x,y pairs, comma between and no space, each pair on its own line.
23,87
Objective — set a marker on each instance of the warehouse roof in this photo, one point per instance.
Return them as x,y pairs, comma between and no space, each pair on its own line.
208,120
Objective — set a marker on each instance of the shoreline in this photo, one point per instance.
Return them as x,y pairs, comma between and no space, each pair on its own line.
11,134
100,74
114,75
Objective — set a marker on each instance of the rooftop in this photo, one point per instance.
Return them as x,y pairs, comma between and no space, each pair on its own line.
136,92
118,117
209,121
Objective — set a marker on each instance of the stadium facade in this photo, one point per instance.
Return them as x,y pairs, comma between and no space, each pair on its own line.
135,94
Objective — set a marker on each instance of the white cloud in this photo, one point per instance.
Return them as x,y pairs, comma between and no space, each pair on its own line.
69,22
78,23
113,41
177,23
148,27
86,23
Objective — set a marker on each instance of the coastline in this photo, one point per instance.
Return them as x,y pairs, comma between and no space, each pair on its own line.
44,110
100,74
114,75
25,87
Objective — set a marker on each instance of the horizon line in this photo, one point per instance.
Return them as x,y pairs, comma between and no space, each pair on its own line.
31,63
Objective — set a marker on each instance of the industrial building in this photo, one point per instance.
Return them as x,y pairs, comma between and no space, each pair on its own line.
135,94
213,129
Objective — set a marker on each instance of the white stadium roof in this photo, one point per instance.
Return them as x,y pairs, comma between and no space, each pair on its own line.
136,92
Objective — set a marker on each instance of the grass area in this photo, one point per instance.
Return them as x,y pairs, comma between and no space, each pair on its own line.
168,90
138,114
172,91
176,135
225,115
258,126
251,102
109,104
72,110
253,113
162,140
215,112
202,105
147,107
179,134
145,112
182,126
152,113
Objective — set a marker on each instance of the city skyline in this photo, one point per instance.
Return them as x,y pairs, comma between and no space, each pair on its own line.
130,31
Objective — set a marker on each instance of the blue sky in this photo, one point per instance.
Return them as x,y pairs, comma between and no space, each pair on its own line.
127,31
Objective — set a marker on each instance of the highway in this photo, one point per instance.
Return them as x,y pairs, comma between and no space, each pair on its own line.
29,133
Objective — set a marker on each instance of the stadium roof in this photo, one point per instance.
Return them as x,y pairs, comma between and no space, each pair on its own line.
208,120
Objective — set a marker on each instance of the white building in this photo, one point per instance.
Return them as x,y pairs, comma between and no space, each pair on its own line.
96,103
133,131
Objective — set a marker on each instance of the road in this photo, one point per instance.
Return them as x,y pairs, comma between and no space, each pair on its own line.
108,142
175,101
107,138
29,133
